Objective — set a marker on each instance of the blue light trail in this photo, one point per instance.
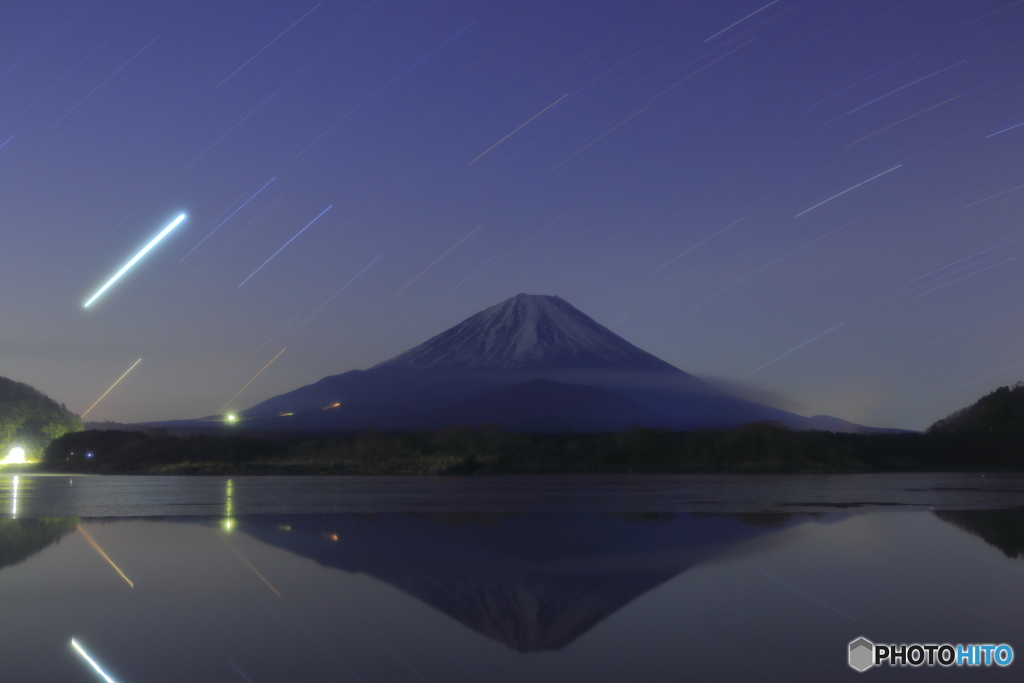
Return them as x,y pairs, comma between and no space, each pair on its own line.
210,234
285,245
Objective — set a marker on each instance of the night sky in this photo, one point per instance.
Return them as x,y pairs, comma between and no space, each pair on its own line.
820,200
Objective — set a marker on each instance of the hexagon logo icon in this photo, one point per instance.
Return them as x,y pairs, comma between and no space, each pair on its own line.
862,653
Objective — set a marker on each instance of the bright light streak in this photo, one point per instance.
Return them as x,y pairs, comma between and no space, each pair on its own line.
251,381
112,386
14,497
232,417
848,190
285,245
96,546
517,129
16,456
92,662
135,259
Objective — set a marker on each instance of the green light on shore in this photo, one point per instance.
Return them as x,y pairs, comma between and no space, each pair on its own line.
231,418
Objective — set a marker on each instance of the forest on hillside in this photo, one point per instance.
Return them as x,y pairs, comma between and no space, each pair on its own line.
30,419
986,436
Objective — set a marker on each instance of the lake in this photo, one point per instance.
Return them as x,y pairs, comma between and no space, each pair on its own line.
638,578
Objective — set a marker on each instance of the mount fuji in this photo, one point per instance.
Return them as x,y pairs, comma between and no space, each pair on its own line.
529,363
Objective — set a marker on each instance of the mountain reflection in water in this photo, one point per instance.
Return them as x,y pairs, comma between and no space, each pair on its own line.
532,582
20,539
1003,529
536,597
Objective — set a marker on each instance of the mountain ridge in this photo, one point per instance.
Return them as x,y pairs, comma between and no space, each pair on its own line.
527,332
486,369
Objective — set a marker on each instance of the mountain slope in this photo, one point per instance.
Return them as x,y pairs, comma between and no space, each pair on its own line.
524,338
31,419
541,405
1001,411
528,333
530,582
528,363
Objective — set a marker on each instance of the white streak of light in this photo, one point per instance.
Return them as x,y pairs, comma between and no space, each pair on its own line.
517,129
285,245
981,378
112,386
105,80
210,234
697,245
338,292
268,45
741,20
969,275
14,497
528,239
966,258
848,190
135,259
795,348
437,261
92,662
453,289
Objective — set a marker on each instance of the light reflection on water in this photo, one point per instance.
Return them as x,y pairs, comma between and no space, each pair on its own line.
134,496
503,597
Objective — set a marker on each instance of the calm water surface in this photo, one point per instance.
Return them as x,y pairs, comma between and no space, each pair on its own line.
512,579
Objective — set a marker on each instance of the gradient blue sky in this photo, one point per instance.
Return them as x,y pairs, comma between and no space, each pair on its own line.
652,163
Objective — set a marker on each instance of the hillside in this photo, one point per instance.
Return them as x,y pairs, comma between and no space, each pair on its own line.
30,419
1001,412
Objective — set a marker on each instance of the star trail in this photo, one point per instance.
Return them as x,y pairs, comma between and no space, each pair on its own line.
722,182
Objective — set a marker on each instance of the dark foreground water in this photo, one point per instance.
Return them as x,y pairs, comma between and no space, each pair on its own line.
574,579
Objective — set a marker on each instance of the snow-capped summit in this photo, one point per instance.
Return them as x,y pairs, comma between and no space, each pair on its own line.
530,363
528,332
